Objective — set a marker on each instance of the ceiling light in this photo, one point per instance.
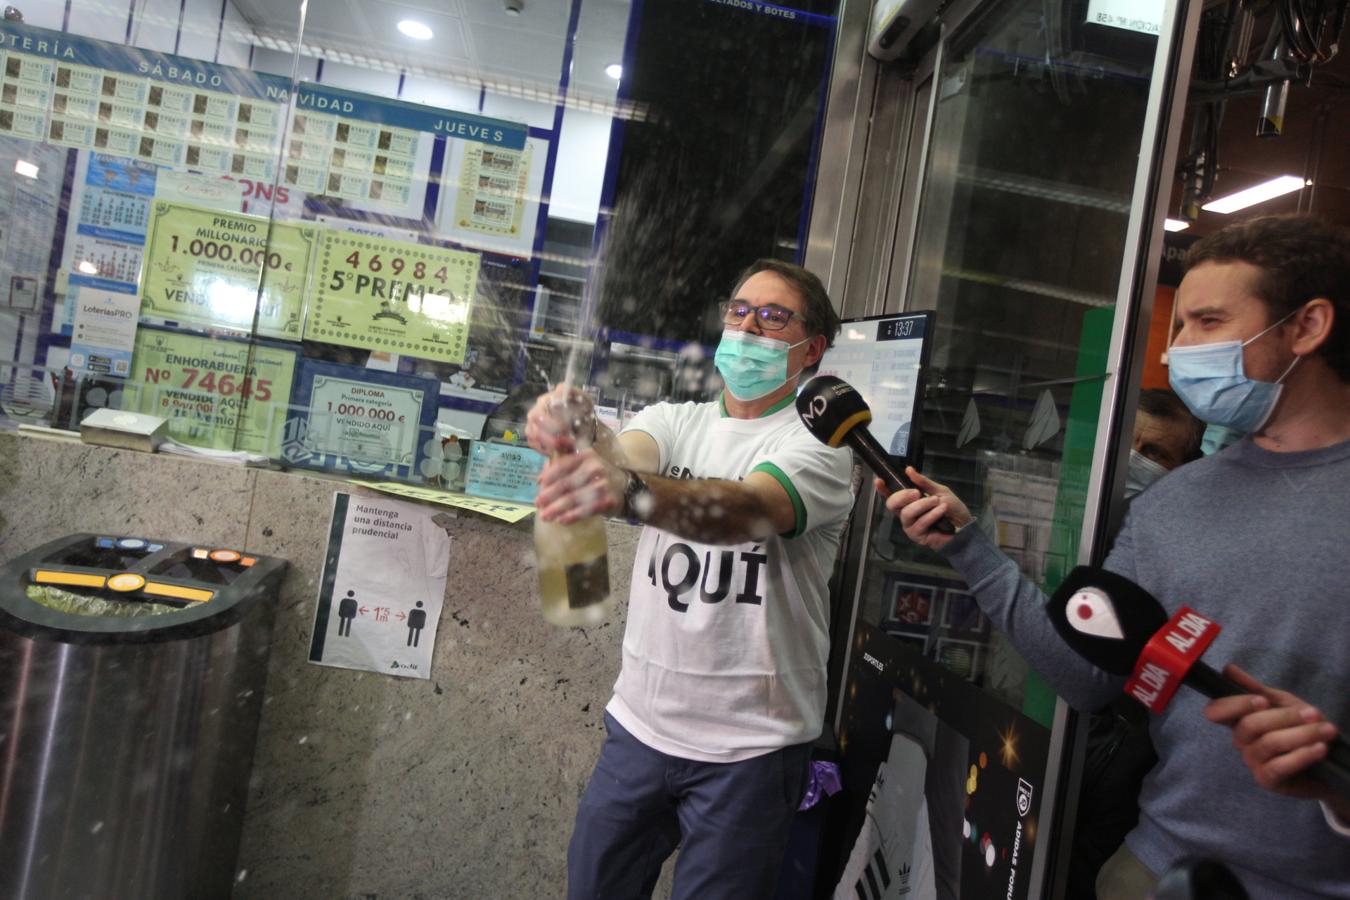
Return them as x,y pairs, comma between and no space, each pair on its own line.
1267,190
415,30
1176,224
614,70
25,168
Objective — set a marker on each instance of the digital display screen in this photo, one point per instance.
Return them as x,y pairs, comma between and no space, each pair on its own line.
882,358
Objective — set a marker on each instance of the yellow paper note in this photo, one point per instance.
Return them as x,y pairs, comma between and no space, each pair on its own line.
497,509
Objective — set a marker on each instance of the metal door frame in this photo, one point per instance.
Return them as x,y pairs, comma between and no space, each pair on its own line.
832,240
1135,294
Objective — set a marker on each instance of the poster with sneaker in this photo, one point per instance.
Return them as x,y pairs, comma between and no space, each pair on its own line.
942,782
893,857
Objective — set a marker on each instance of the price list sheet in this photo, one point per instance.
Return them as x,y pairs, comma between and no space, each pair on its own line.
139,104
351,159
374,154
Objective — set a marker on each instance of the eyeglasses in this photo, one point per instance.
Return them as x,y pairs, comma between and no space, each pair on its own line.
771,316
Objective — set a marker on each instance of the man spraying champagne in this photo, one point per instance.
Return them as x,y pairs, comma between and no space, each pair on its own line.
722,687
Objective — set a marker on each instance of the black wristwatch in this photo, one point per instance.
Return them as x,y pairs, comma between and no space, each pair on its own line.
635,494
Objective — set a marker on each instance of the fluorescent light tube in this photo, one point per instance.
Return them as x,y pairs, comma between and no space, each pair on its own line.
1260,193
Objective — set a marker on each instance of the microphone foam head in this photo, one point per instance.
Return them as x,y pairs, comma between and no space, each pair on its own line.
1105,618
830,408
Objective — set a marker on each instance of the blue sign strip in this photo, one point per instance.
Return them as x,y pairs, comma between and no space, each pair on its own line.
335,101
45,336
164,68
126,175
110,234
103,284
817,138
772,11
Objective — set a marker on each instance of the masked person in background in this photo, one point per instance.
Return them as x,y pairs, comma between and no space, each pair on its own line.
1119,752
1253,537
722,686
1166,435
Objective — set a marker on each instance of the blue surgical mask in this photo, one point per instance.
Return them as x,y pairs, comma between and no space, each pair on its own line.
752,366
1141,473
1217,437
1210,379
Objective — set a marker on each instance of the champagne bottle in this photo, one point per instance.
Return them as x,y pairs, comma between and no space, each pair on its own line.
573,559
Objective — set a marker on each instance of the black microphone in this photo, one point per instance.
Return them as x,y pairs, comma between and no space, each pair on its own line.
1121,628
837,414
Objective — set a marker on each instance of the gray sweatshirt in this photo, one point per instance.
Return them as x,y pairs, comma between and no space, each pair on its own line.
1259,542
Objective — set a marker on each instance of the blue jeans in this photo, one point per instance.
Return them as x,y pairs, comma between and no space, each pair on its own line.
730,820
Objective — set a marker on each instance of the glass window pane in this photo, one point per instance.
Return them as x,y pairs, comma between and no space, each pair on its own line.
1021,231
455,204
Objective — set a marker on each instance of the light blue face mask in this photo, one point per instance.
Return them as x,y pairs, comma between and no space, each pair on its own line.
1141,473
1210,379
1217,437
752,366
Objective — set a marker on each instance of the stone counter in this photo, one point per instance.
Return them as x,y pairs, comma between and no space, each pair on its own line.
364,785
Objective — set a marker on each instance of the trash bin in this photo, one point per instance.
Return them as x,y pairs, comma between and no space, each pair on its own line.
131,681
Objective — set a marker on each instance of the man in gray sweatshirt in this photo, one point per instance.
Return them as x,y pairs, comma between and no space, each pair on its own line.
1254,537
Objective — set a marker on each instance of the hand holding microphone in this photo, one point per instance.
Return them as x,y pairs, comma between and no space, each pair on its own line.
1121,628
926,510
837,414
1280,737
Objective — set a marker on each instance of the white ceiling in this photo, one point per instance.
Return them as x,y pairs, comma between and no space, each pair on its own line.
474,40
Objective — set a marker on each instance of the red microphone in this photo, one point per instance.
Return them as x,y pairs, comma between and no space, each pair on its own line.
1121,628
1172,654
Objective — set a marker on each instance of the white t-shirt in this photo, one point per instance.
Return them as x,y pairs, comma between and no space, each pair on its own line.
725,651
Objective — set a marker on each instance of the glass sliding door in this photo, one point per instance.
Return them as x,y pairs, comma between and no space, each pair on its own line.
1019,247
1036,212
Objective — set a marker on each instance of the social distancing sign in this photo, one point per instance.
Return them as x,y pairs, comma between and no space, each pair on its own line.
382,588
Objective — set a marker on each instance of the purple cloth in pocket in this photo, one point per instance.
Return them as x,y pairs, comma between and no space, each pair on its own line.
824,782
